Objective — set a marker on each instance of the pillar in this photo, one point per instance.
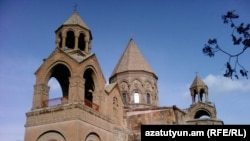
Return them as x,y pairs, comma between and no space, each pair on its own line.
76,41
86,39
41,94
76,89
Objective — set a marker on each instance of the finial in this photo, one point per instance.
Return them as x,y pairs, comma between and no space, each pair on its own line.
75,7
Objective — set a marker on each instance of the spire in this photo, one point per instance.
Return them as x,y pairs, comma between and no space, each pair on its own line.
75,19
197,82
132,60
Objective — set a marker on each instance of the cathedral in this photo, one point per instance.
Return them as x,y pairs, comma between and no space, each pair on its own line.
91,109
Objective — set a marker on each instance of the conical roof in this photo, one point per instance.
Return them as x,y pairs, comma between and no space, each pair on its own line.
75,19
197,82
132,60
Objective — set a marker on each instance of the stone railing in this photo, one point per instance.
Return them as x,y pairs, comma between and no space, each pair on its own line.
91,104
64,100
54,101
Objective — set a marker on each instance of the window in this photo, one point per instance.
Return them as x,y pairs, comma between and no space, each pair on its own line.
148,98
136,97
125,98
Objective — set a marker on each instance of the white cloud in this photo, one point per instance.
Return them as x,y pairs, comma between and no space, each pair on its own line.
220,84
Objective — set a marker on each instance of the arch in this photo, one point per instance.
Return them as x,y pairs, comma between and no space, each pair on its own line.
92,137
55,89
148,98
202,93
51,135
61,73
49,72
70,39
148,85
124,85
202,112
195,95
136,97
136,79
81,42
125,97
89,84
94,74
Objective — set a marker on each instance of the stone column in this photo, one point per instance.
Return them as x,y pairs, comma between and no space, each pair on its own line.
199,96
206,94
41,96
86,39
76,89
76,41
63,42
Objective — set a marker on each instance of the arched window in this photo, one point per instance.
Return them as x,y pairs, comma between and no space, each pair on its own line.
125,98
81,42
148,98
136,97
70,39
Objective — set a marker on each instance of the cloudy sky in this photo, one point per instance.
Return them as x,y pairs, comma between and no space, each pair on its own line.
169,33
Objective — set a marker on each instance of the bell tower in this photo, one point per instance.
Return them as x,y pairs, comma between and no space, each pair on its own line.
79,114
74,34
201,111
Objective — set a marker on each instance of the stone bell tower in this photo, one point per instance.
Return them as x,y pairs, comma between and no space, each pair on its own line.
201,111
79,114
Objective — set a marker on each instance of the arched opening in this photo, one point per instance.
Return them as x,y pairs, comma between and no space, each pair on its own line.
81,42
93,137
148,98
136,97
195,95
202,93
59,85
201,114
51,136
55,92
70,39
89,87
125,97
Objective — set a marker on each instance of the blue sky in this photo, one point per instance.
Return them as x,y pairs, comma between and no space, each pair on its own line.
169,33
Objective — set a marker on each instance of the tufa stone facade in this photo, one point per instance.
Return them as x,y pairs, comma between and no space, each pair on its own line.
89,109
